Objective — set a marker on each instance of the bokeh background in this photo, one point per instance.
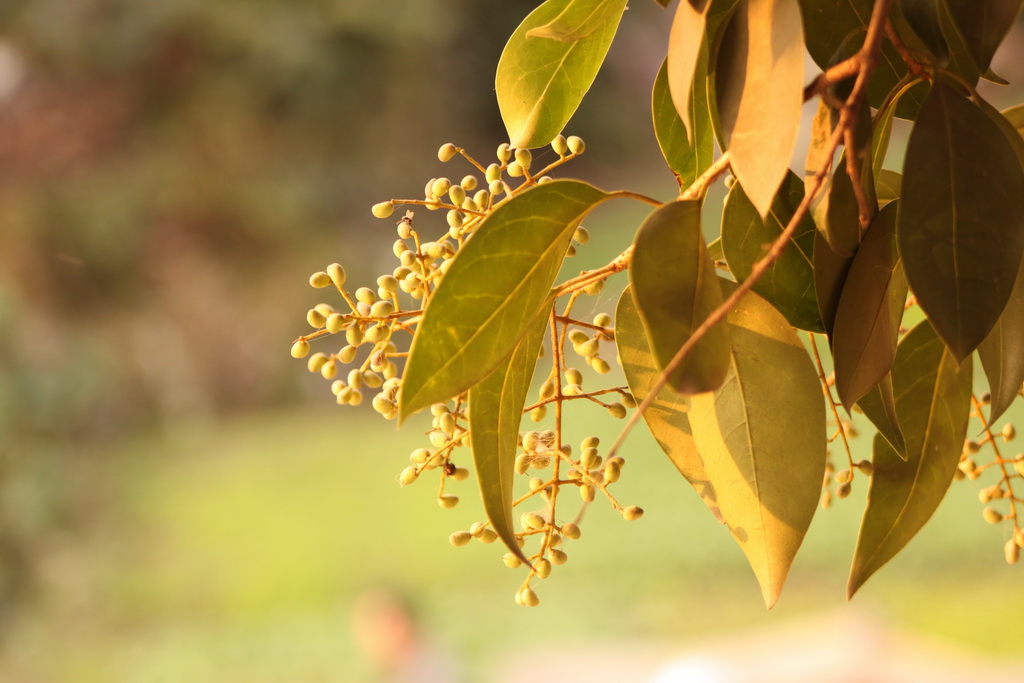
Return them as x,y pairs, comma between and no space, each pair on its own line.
181,501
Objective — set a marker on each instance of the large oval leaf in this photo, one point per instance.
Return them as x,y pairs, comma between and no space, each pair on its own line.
960,225
870,310
879,405
578,20
762,438
541,81
497,285
685,44
1002,354
983,25
676,290
495,411
789,283
666,417
759,83
933,399
686,159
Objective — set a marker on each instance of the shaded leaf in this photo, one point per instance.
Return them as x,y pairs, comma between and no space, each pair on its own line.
686,160
715,249
842,214
498,283
676,290
759,86
495,411
1002,354
960,224
540,82
879,406
961,59
579,19
983,25
830,271
685,44
888,185
717,23
766,473
666,417
1015,115
870,310
789,283
933,399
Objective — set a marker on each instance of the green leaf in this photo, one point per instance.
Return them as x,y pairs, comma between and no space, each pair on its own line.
717,24
676,290
540,81
828,23
715,252
888,185
960,224
830,271
579,19
495,411
686,160
498,283
870,310
762,438
983,25
685,45
879,405
789,283
1015,115
933,398
1002,354
666,417
842,213
759,82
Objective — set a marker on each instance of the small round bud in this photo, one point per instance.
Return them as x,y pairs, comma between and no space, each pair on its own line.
531,521
460,474
459,538
316,361
612,472
573,376
629,400
1009,432
404,229
383,209
446,152
446,423
575,144
1012,552
496,188
542,568
603,320
524,158
335,322
482,198
985,398
547,390
514,170
528,597
594,288
843,490
571,531
590,459
587,493
454,218
329,370
407,476
633,512
511,561
559,145
420,456
447,500
382,309
570,251
992,516
438,439
337,274
578,336
1018,464
599,365
843,476
973,446
581,236
319,280
617,410
504,152
440,186
522,464
866,467
457,194
492,173
315,318
469,183
300,349
538,414
488,536
347,354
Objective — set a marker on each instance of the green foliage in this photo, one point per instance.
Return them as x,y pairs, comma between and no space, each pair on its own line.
707,334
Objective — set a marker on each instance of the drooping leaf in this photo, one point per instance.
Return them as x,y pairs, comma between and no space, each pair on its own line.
789,283
717,22
842,215
933,398
579,19
667,415
828,23
879,406
819,153
960,224
983,25
917,22
676,289
762,438
1002,354
685,43
888,185
497,285
830,271
540,81
870,310
495,411
759,85
687,160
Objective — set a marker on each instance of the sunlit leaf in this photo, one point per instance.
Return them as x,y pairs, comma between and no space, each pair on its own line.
495,411
759,82
870,310
579,19
789,283
762,438
497,285
685,43
687,160
541,81
933,398
960,225
666,417
879,406
676,289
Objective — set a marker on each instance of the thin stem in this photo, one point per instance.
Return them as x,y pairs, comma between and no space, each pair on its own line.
827,389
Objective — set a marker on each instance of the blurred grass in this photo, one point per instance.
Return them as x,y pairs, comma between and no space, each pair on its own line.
234,552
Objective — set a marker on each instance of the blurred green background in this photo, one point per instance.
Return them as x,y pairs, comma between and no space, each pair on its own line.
181,501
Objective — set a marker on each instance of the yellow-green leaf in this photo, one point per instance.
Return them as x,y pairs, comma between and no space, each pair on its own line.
830,271
578,20
540,81
676,290
685,44
759,83
687,160
495,411
960,224
666,417
879,405
870,310
761,436
933,398
499,282
789,283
